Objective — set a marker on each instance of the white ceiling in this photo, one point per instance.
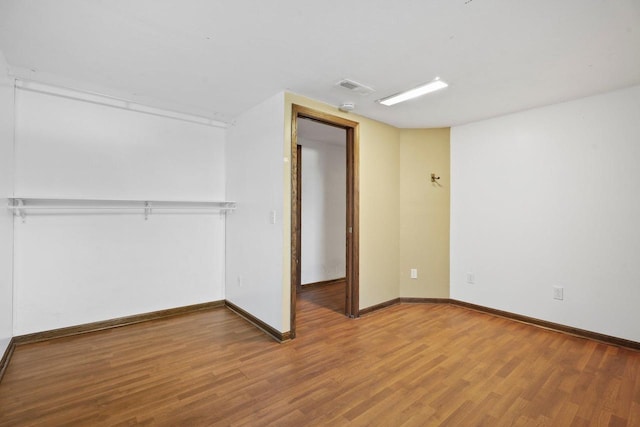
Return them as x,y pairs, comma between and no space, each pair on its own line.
219,58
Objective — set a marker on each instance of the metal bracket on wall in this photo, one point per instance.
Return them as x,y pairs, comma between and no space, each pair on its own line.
17,205
147,210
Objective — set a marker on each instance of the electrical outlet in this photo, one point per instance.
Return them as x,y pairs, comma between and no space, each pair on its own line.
558,292
414,273
240,281
471,278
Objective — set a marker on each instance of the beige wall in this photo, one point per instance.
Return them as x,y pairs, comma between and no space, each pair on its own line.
394,169
379,212
424,212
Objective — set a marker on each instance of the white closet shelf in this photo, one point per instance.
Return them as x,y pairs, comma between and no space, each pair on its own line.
21,205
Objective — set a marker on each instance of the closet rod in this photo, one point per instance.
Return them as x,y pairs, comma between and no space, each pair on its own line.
20,205
30,207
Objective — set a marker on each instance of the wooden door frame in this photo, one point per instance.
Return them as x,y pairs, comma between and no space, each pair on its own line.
298,221
352,293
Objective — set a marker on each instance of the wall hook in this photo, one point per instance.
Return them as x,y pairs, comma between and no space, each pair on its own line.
434,178
147,210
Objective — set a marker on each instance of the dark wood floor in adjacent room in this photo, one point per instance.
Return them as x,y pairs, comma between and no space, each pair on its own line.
414,365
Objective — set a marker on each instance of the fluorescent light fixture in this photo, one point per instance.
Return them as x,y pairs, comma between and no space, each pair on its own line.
413,93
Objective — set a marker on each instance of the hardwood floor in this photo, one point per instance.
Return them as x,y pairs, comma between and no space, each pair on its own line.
406,365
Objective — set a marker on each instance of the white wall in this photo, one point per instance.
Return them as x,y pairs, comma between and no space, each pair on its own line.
73,149
74,269
254,250
323,211
6,219
550,197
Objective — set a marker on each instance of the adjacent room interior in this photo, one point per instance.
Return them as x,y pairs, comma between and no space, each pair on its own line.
322,180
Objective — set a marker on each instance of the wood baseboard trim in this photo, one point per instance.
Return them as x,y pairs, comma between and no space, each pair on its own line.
285,336
6,357
411,300
269,330
380,306
114,323
582,333
403,300
315,285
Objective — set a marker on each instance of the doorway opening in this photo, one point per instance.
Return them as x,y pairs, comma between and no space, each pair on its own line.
351,210
322,199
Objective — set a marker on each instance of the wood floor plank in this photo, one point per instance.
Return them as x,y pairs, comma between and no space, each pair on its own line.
404,365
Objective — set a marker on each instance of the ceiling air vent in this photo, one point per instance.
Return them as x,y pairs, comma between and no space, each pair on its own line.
355,87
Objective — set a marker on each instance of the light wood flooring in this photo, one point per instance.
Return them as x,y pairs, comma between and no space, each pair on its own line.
406,365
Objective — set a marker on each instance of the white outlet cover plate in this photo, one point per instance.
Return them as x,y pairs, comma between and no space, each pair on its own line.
558,293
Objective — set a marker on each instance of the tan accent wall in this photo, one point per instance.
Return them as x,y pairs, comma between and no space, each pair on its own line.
404,219
379,213
424,212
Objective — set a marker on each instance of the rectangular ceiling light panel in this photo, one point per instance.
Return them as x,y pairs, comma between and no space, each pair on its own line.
413,93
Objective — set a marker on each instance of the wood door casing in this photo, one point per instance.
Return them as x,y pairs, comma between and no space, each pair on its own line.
352,211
